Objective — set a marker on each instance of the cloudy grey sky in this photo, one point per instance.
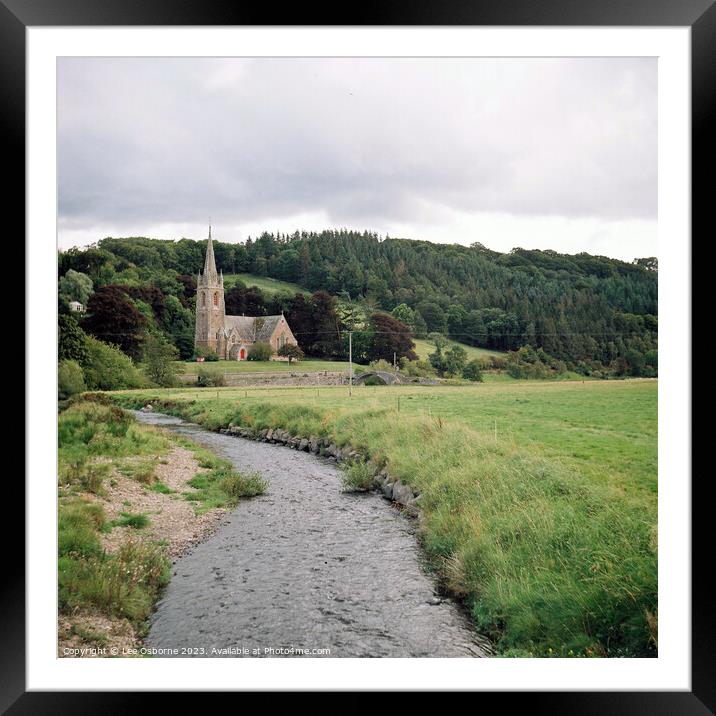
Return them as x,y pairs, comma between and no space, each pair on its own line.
538,153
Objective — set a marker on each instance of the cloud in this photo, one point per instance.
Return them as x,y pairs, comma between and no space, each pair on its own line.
364,143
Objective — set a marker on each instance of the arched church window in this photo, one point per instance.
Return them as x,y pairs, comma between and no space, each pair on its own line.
216,298
203,299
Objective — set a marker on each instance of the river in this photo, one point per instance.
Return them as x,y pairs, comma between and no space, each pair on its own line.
304,567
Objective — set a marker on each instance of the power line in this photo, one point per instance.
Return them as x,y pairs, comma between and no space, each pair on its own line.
447,337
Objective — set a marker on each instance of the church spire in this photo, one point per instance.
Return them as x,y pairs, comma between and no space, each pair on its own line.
209,262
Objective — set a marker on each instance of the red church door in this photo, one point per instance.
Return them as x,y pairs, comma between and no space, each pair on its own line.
242,354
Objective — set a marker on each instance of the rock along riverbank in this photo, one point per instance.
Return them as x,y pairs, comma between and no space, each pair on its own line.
304,570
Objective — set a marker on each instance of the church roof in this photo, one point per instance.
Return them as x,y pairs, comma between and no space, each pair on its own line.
244,326
266,328
252,328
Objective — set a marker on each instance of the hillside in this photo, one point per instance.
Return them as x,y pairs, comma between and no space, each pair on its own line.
424,348
269,286
591,312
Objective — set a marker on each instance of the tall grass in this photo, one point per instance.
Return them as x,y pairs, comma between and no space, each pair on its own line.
357,477
549,560
95,436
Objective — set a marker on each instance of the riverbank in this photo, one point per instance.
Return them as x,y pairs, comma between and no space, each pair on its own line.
132,499
306,569
547,530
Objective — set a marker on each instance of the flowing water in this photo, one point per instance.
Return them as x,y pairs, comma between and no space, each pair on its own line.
304,567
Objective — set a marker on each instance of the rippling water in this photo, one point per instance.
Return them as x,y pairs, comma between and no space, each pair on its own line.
304,566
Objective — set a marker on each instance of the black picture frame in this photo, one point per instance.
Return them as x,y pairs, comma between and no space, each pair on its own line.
699,15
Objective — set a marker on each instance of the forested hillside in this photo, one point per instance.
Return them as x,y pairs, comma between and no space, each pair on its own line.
592,313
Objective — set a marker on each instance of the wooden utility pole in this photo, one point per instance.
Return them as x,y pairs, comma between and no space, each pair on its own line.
350,364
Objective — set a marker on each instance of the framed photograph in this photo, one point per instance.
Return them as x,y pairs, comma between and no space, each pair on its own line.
358,352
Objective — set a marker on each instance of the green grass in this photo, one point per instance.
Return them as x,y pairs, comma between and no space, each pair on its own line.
267,285
248,366
219,484
539,498
424,348
140,470
222,487
357,477
121,584
126,582
131,519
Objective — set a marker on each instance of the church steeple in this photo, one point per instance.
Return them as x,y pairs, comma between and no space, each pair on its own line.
210,273
210,309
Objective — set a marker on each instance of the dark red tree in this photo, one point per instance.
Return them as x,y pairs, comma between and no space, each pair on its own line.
390,336
113,318
150,295
326,326
240,301
300,317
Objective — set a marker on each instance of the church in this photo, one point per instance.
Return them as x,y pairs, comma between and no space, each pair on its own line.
232,336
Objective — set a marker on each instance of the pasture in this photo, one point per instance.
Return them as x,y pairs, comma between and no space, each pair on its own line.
267,366
267,285
424,348
539,499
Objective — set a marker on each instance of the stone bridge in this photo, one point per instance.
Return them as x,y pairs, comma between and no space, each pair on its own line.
387,377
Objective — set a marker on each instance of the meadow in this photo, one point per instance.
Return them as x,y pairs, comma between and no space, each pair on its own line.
307,365
539,499
424,348
267,285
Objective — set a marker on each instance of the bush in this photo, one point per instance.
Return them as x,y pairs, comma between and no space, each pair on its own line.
454,360
159,356
473,371
210,379
357,477
530,363
260,351
78,522
70,379
382,365
291,351
236,485
417,368
91,479
130,519
208,354
107,368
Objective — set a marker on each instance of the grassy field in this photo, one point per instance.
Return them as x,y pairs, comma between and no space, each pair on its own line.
539,499
269,366
424,348
269,285
309,365
99,444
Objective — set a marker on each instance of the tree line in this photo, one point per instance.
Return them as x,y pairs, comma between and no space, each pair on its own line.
593,313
